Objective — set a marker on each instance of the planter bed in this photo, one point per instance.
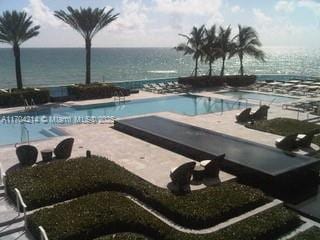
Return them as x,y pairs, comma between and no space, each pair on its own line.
109,212
64,180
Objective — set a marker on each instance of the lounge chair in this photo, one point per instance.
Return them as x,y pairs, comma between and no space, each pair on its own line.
148,88
288,143
304,140
27,155
64,149
181,176
212,167
260,114
244,116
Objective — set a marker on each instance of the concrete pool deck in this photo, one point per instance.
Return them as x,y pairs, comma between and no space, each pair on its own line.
144,159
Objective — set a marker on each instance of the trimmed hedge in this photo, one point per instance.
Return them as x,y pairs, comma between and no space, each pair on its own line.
217,81
311,234
64,180
123,236
16,97
108,212
285,126
95,91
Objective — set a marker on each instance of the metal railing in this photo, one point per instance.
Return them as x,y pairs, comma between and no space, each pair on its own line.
43,234
24,133
20,203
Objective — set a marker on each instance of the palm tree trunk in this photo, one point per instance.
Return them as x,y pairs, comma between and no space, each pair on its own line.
88,61
196,68
210,68
241,64
222,68
16,52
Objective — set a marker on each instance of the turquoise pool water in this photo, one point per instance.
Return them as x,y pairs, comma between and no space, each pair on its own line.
43,124
265,98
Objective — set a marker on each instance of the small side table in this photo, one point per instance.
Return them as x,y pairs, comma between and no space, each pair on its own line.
198,173
46,155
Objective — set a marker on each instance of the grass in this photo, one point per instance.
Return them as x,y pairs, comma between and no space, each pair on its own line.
64,180
106,213
311,234
285,126
123,236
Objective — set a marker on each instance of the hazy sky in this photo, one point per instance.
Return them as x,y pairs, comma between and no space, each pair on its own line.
157,23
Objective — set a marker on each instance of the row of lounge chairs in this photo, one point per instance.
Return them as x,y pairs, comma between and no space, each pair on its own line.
183,175
28,154
296,141
246,116
294,87
168,87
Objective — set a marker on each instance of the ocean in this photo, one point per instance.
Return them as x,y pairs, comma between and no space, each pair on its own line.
62,66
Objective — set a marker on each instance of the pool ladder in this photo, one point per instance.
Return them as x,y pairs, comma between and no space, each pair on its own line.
29,106
119,97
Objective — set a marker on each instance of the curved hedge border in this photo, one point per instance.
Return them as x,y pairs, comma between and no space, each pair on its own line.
64,180
109,212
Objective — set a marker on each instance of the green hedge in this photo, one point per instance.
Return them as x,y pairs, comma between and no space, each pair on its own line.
95,91
217,81
311,234
285,126
108,212
16,97
63,180
123,236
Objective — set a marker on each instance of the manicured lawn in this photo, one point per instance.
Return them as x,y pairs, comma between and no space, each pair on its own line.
311,234
106,213
285,126
64,180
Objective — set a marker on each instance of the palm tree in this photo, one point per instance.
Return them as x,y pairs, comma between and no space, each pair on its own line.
210,47
247,43
193,46
88,22
224,45
15,29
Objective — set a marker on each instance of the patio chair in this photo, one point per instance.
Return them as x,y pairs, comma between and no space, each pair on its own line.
260,114
288,143
27,155
64,149
305,140
212,167
181,176
244,116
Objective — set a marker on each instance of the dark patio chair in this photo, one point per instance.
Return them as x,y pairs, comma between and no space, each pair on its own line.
64,149
244,116
27,155
181,176
305,140
260,114
288,143
212,167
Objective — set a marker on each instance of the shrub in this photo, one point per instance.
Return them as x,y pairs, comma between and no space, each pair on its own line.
16,97
95,91
311,234
64,180
108,212
285,126
217,81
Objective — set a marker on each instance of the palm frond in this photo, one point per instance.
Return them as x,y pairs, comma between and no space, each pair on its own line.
87,21
16,27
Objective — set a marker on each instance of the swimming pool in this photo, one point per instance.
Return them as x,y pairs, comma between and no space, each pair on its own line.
19,127
265,98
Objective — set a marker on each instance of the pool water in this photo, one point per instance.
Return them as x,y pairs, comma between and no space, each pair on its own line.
43,124
264,98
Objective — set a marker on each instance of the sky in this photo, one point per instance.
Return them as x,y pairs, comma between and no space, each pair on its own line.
158,23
